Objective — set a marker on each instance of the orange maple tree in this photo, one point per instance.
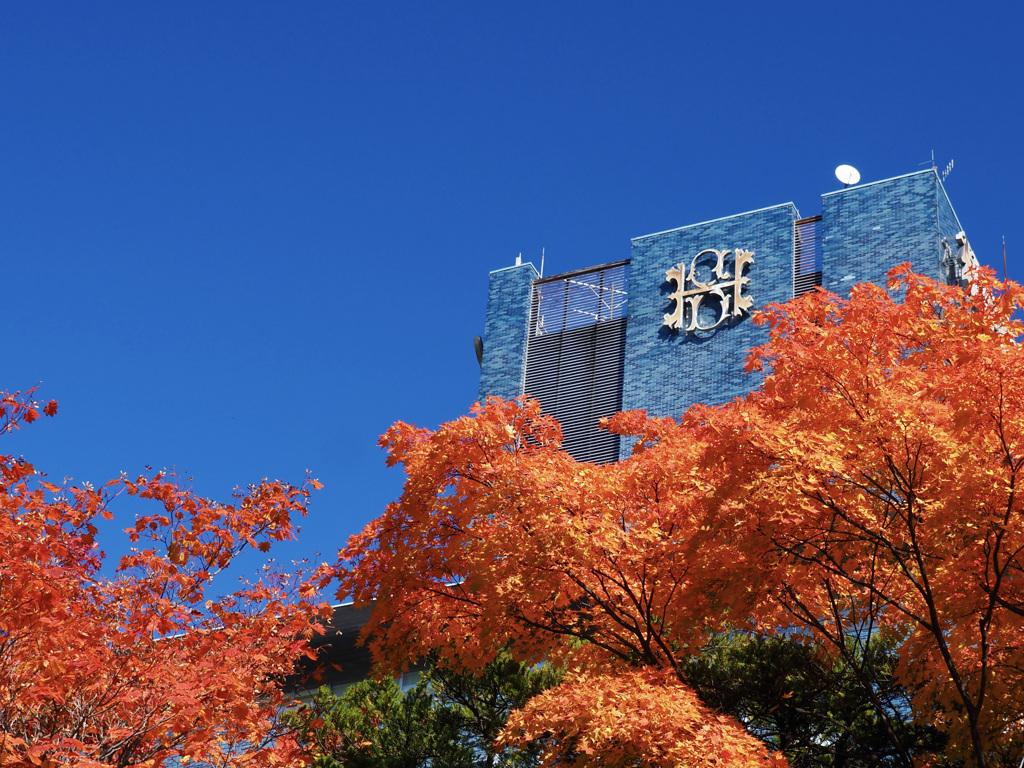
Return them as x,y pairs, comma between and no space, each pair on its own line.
867,490
883,462
501,540
143,668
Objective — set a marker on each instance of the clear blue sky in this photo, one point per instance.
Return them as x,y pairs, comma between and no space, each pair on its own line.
244,238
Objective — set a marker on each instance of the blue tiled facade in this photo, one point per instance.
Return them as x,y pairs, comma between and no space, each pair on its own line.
865,231
508,317
666,370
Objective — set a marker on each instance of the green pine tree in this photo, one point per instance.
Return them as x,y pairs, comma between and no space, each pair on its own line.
450,718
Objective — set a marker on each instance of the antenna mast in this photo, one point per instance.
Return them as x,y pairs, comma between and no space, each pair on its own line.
931,162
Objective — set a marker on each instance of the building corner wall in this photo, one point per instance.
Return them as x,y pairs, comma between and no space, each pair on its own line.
506,331
951,272
869,229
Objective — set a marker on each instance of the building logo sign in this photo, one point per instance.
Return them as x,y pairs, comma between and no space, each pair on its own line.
707,293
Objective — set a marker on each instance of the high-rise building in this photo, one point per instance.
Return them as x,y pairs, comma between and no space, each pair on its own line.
670,326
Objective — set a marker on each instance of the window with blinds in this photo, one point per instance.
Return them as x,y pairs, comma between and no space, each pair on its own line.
574,359
806,255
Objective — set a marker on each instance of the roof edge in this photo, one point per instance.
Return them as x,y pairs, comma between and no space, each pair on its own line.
720,218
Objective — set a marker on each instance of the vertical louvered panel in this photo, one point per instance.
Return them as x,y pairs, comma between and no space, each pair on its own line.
576,353
806,255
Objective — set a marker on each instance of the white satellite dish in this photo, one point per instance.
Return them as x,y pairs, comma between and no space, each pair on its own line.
847,174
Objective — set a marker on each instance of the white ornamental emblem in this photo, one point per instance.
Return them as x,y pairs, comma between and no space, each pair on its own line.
699,302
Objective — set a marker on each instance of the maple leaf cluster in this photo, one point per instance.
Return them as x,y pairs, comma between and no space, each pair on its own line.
143,668
869,489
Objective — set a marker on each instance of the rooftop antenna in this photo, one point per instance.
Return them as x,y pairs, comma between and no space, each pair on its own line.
542,261
931,162
949,169
848,175
1004,259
